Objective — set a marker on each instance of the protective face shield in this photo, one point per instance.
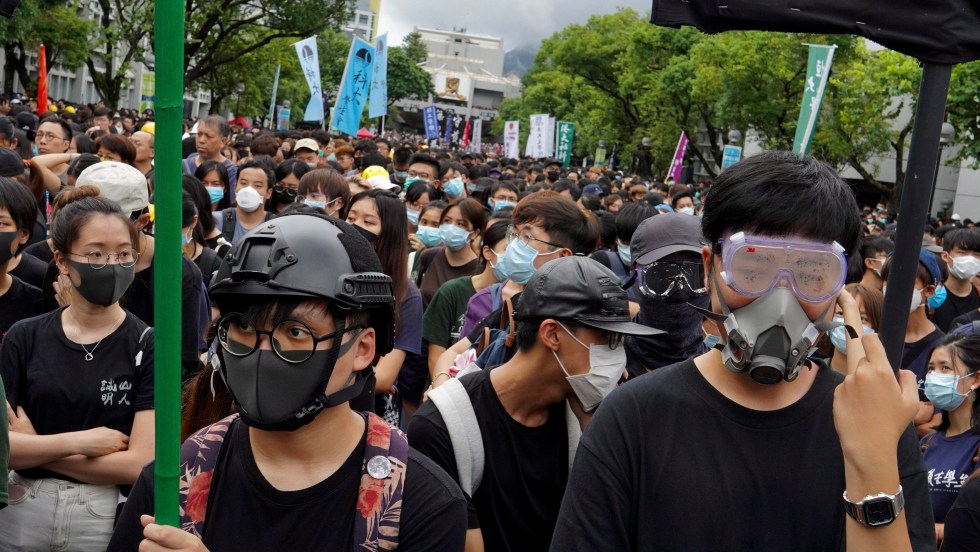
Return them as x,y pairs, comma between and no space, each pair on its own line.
284,388
770,337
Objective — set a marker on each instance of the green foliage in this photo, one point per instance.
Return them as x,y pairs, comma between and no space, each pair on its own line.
964,111
405,78
414,47
620,79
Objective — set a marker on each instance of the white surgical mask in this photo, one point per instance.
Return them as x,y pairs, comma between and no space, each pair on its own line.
606,366
686,210
965,268
248,199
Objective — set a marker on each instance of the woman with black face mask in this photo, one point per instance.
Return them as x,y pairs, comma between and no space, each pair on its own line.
284,193
380,217
79,390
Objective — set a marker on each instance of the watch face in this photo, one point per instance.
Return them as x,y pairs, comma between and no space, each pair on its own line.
879,511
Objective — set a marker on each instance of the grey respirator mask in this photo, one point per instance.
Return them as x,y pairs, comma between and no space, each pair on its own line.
770,337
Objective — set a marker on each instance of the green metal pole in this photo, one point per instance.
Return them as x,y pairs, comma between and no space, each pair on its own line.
169,56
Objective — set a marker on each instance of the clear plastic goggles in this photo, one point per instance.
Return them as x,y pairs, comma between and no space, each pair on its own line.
754,265
661,278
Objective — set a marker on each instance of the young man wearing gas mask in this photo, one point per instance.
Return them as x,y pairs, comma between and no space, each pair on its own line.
961,253
792,455
305,311
667,255
570,323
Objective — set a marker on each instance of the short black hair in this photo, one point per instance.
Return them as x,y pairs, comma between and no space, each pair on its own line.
428,160
967,239
629,218
264,164
526,332
778,193
566,184
19,202
869,248
65,127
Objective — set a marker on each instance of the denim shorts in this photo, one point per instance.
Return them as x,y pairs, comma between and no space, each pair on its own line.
53,514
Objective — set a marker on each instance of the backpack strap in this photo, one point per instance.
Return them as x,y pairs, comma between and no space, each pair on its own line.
228,220
495,294
198,457
509,309
379,498
454,404
616,265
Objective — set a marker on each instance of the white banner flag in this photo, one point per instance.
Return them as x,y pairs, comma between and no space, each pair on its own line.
512,133
537,140
476,141
306,50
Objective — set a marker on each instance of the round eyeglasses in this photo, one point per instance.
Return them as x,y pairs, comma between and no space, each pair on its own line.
98,260
292,340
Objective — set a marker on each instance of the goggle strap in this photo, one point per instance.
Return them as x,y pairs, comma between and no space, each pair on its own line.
629,283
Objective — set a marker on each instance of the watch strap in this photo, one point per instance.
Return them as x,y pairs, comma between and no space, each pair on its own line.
859,511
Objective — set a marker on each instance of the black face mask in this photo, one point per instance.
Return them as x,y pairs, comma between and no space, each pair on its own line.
682,337
104,286
368,235
283,195
6,240
274,395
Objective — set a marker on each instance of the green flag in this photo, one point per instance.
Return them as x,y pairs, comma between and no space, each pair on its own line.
564,140
817,73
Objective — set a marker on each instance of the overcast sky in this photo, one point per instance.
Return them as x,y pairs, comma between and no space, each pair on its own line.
519,22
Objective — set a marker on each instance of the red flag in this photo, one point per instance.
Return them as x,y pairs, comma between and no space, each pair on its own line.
42,84
466,133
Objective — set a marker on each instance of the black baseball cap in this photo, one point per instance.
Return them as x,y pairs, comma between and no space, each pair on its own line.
663,234
582,291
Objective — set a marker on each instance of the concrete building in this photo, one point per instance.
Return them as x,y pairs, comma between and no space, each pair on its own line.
364,22
468,75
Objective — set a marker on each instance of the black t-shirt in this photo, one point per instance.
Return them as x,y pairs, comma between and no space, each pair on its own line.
669,463
47,374
954,306
40,250
245,512
30,270
967,318
962,530
20,302
139,301
525,468
207,262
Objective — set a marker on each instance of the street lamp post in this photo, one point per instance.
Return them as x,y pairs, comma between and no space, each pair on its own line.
239,88
946,135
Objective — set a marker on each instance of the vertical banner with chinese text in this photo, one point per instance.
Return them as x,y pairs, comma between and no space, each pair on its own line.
431,119
354,86
378,106
566,138
512,133
817,73
310,63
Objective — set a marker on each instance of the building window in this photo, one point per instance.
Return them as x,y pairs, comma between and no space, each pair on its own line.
362,19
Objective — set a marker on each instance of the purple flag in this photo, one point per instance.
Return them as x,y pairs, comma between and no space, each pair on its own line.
678,162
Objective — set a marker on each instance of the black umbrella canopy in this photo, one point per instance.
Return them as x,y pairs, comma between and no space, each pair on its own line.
937,31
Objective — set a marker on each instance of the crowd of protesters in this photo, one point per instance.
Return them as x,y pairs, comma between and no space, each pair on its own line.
386,344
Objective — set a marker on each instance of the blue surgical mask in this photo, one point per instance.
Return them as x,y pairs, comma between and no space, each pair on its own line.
499,269
216,194
499,204
184,239
453,236
411,180
401,175
429,236
838,336
413,216
938,298
624,253
518,261
320,204
941,391
710,340
453,188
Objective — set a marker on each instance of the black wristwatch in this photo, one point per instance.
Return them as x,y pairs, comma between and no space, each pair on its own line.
876,510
